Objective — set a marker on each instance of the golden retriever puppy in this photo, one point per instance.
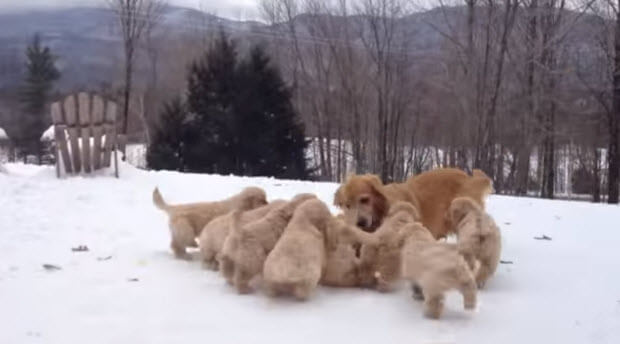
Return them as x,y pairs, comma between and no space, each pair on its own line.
365,200
295,264
213,236
186,221
247,246
380,256
434,268
343,263
479,238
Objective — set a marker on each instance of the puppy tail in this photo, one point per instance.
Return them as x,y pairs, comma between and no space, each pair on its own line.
158,200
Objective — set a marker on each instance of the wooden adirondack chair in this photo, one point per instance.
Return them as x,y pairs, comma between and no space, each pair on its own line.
84,134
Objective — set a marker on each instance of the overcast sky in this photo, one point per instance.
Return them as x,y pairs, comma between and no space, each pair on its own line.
235,9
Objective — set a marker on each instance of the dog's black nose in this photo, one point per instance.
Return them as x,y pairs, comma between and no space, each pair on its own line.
362,223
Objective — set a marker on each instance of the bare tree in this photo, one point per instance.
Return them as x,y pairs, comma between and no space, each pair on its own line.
134,18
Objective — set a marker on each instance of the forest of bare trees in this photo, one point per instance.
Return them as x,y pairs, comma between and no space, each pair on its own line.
526,90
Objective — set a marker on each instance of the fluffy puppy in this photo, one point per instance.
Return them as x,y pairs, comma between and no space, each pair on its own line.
295,264
247,246
365,200
213,236
479,238
434,268
186,221
380,265
343,263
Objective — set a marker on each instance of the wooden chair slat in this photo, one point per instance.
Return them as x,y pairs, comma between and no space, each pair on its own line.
73,131
97,128
60,136
61,142
110,132
85,129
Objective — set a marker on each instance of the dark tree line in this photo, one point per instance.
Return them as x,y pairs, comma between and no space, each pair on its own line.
30,119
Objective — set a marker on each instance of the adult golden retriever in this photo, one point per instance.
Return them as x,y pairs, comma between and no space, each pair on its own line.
365,200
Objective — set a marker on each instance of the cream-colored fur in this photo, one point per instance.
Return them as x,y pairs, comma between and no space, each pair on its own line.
434,268
247,246
213,236
342,267
479,238
384,255
295,265
186,221
379,251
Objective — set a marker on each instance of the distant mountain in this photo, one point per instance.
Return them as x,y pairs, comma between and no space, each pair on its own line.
86,40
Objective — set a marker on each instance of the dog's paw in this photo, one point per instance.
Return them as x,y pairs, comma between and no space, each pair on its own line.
417,293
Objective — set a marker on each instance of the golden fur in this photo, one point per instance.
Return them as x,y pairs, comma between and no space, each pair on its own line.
404,249
383,255
186,221
434,268
213,236
295,264
365,200
247,246
479,238
342,266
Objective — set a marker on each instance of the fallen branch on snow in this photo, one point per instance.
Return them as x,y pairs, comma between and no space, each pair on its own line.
543,237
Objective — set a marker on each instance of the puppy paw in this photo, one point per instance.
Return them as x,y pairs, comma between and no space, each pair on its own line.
417,293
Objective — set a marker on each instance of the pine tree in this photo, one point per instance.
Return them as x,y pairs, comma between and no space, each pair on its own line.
211,93
41,73
171,138
274,142
242,116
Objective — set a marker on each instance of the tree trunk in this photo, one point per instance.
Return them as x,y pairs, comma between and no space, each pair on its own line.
613,155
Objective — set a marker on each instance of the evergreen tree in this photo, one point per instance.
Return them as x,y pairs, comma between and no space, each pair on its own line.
242,120
171,138
211,94
273,137
41,73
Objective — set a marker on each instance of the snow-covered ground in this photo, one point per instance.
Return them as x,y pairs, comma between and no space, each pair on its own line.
128,288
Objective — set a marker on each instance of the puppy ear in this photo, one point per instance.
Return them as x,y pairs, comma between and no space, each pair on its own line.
380,202
460,207
403,234
339,197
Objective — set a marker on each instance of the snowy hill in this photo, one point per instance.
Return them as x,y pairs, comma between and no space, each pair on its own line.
128,288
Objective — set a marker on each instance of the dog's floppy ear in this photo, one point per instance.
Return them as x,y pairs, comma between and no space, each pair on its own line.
403,234
381,203
339,197
460,207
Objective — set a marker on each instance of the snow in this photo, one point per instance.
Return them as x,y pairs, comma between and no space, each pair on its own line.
48,134
566,290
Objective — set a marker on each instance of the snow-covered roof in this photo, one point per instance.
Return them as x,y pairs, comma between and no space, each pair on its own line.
3,135
48,135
